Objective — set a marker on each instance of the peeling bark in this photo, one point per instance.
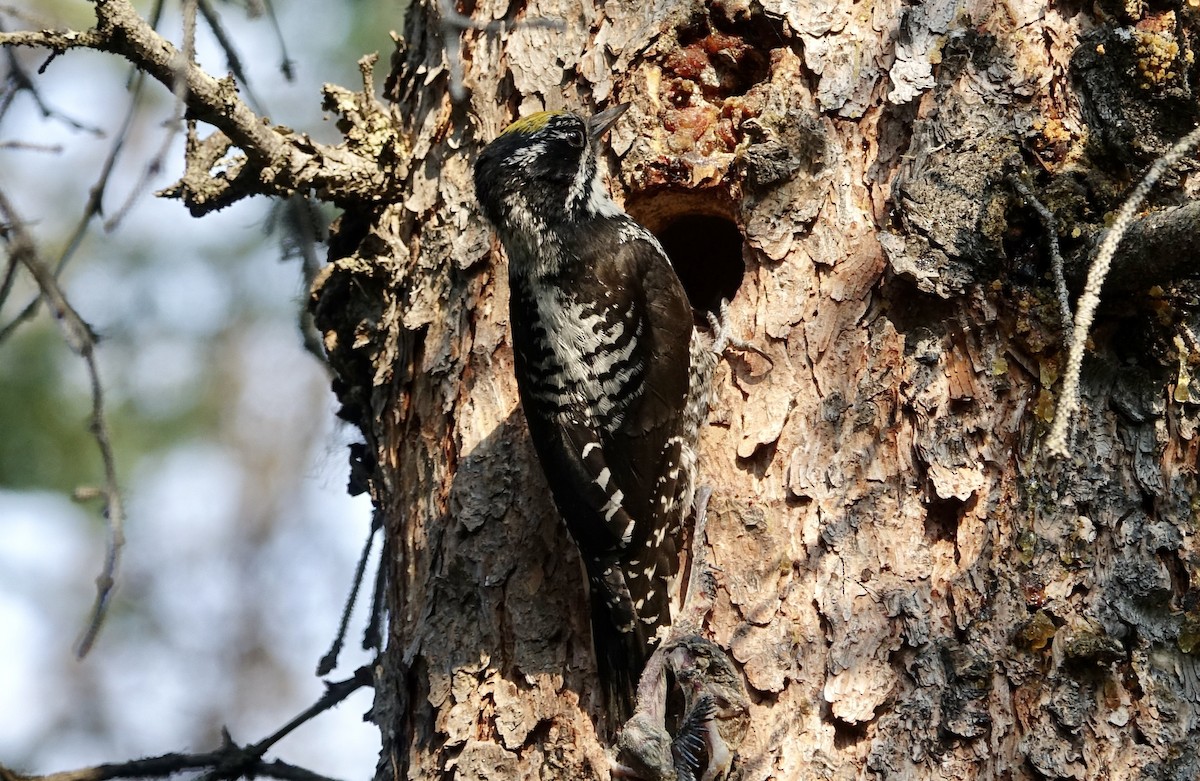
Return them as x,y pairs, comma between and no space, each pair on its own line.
908,588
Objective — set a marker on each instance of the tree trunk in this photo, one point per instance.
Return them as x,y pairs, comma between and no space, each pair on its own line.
909,587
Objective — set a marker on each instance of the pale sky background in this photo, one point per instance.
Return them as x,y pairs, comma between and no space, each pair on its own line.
241,538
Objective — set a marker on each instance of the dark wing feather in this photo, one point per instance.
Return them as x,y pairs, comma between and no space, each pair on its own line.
689,743
588,465
639,277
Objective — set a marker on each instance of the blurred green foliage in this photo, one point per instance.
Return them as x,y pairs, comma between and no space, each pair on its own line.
45,405
45,416
44,437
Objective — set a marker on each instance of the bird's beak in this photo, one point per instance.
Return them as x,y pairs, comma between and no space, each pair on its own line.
598,124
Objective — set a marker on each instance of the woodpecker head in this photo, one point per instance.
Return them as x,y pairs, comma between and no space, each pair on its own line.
543,171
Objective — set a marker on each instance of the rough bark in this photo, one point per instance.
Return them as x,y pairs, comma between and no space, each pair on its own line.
908,587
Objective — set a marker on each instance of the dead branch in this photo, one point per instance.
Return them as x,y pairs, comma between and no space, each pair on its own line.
259,7
94,206
20,81
170,764
233,60
78,336
283,161
1158,248
227,762
30,146
173,126
329,660
1050,225
1068,403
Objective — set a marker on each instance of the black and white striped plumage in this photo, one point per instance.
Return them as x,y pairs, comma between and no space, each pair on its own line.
612,375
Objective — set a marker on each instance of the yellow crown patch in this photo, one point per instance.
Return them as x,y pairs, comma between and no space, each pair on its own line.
531,124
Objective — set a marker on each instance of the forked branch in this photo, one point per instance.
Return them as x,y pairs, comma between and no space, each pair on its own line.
78,336
283,161
1068,403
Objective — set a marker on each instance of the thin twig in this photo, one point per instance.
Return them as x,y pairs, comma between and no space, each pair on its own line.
79,337
285,771
168,765
285,65
95,202
373,634
334,693
330,659
237,765
1068,403
174,125
20,81
229,761
154,18
232,60
1050,225
10,276
30,146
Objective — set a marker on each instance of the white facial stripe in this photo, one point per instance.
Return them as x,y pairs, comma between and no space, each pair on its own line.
579,185
599,201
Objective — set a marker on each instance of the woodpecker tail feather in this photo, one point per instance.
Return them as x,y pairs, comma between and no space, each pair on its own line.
619,660
621,643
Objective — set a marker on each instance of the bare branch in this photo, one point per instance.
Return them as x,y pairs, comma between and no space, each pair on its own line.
334,694
228,762
19,81
232,60
10,276
30,146
78,336
1056,259
189,52
56,40
94,206
174,125
329,660
214,101
170,764
282,161
1068,403
285,771
373,634
285,64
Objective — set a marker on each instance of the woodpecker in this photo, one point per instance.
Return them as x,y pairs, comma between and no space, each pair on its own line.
612,375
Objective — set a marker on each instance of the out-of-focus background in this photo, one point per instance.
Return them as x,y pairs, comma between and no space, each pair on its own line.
241,537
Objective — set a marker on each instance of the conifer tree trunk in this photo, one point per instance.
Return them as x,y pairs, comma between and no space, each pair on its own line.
910,588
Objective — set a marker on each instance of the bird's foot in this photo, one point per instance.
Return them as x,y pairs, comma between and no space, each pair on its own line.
722,334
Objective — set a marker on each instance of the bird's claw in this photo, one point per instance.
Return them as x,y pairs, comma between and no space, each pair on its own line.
722,334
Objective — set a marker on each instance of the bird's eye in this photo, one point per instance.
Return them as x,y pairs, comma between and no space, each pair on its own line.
576,139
